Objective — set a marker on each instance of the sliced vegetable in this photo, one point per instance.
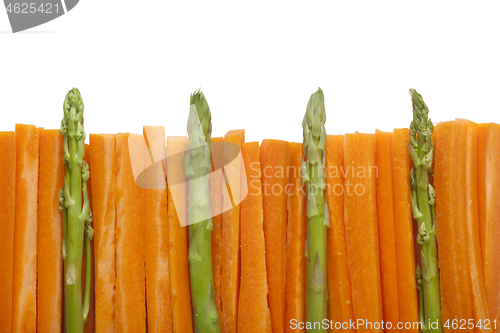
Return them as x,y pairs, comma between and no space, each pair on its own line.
182,318
403,230
296,266
449,180
361,226
274,160
230,283
338,276
253,309
130,308
25,229
50,223
489,214
386,231
156,235
216,181
7,210
479,300
103,181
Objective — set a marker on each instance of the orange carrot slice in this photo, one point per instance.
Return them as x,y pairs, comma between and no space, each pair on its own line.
449,180
274,160
130,273
479,300
7,210
25,230
403,230
90,325
386,233
295,285
362,230
253,310
50,262
338,277
216,181
230,282
489,214
182,317
103,179
156,236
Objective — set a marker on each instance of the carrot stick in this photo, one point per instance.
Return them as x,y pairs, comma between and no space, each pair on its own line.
386,233
230,283
103,179
489,214
338,277
182,318
7,210
479,300
403,230
130,273
253,310
274,160
449,180
296,269
25,230
90,325
216,181
362,230
156,236
50,263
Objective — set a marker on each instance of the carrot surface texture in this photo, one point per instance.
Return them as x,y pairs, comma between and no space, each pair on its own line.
387,236
296,266
449,179
50,262
362,230
216,183
274,160
479,299
230,283
130,308
421,150
156,233
90,325
403,230
253,309
318,216
197,168
7,210
338,275
182,318
74,204
489,214
25,230
102,160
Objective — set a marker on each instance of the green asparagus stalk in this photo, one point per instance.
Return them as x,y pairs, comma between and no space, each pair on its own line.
423,200
197,166
318,216
76,214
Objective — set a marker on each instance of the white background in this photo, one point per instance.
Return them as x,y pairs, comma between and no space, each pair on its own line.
137,62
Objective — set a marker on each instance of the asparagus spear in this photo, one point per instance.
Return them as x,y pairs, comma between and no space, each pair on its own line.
197,166
423,200
76,217
318,216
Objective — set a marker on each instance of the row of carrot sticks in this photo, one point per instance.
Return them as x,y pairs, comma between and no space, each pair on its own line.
140,249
